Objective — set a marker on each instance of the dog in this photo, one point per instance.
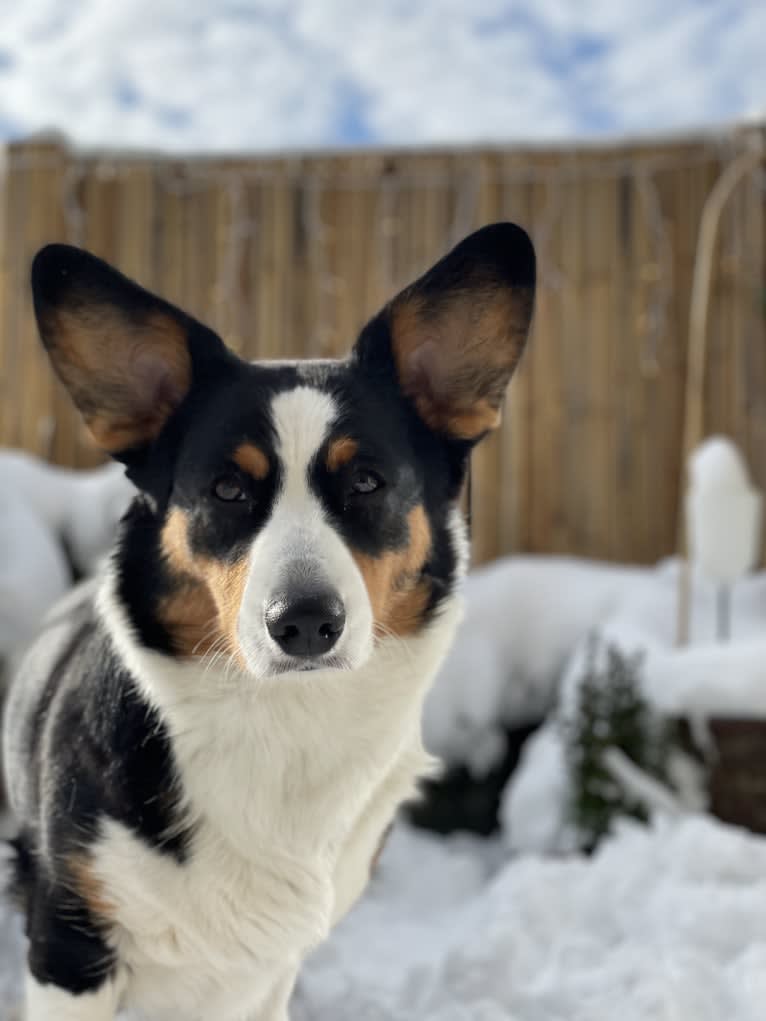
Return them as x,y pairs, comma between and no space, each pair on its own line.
205,747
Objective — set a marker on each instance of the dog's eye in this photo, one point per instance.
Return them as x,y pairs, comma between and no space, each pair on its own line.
364,481
229,490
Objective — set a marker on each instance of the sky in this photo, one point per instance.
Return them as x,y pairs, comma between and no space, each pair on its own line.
188,75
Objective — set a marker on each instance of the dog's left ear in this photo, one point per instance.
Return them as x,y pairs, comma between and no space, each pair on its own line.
458,332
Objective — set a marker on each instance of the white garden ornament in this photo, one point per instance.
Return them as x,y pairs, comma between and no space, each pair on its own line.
723,519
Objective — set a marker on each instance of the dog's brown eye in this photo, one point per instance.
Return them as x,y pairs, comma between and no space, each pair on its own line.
365,482
229,490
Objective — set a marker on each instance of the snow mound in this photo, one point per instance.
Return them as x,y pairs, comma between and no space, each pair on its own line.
664,922
523,617
522,644
81,507
723,512
34,572
701,680
534,809
46,512
718,464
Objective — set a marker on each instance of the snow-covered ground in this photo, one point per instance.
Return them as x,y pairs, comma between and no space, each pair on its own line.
662,924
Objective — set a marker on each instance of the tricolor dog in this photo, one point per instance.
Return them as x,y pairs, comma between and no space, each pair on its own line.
205,748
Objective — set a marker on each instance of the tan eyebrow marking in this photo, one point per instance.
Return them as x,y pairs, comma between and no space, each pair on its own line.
340,452
252,460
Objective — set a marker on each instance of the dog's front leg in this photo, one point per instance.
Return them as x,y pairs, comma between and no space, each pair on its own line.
46,1002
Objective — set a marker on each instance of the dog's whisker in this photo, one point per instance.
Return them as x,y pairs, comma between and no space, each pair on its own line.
207,634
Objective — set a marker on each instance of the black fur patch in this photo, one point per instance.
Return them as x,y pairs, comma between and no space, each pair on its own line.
67,945
97,750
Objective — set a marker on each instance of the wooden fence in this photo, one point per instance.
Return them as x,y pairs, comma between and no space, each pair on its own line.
289,256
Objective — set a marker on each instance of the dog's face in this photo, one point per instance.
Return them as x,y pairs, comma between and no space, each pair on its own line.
294,513
304,514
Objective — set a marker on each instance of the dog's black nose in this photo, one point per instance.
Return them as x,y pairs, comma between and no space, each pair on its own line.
307,625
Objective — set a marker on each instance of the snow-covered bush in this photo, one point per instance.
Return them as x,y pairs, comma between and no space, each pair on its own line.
612,714
524,616
522,650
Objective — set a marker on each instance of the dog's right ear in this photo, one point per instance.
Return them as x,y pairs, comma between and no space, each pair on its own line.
126,356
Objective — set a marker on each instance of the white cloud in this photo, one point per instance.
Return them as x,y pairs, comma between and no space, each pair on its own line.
265,74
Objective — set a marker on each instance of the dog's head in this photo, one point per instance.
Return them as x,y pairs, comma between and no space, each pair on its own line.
293,512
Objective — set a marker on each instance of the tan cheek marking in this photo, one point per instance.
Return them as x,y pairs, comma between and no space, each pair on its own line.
90,888
407,612
340,452
190,616
397,592
189,612
227,585
251,459
202,612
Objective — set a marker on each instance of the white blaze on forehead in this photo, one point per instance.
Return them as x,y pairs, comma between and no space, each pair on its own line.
302,420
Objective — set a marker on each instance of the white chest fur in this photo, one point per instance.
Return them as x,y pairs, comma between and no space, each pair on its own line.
290,786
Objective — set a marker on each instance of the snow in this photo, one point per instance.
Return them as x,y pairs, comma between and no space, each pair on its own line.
705,678
723,512
33,572
82,507
661,923
45,511
656,798
526,624
523,642
718,464
521,652
523,618
710,680
533,810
